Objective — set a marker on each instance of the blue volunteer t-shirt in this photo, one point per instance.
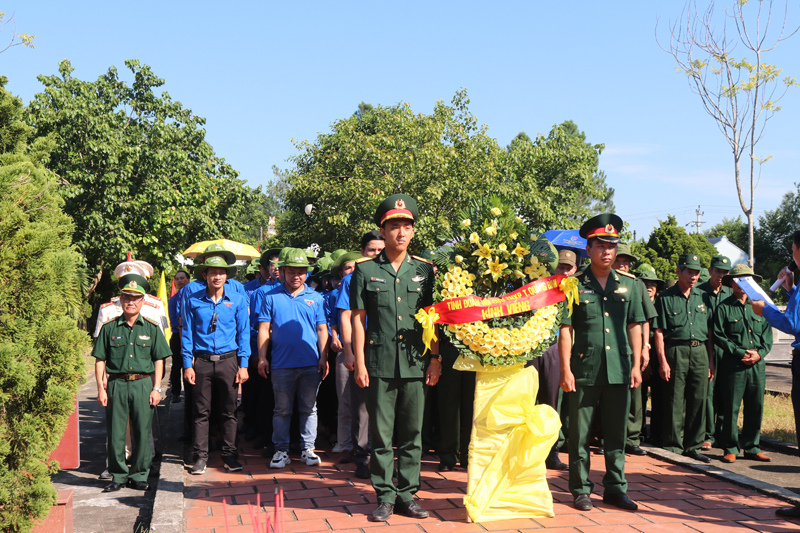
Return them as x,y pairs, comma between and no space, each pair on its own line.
294,322
331,313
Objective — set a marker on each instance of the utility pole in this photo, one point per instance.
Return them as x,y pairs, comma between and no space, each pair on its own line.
697,223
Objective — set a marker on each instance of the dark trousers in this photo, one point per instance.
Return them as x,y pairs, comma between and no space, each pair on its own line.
176,372
219,377
796,388
738,383
359,427
129,400
685,394
456,396
548,365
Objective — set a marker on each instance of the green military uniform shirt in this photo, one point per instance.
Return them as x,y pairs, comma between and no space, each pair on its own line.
737,329
393,344
682,318
716,298
600,327
648,307
130,350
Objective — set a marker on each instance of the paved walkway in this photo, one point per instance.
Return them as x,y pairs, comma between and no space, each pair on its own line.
329,498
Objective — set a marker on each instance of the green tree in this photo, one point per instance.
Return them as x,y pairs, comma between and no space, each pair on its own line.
773,238
41,292
17,39
668,241
741,95
138,174
735,229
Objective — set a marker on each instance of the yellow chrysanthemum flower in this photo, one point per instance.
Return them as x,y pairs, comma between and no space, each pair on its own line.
459,259
491,231
497,352
460,335
534,261
483,350
466,222
496,211
496,268
452,327
456,271
503,248
474,238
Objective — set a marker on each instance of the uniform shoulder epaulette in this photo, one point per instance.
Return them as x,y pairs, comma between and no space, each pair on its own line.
418,258
114,300
628,274
106,305
151,304
148,319
365,259
579,273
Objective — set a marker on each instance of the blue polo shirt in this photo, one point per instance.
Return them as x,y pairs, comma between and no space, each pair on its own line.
294,321
232,331
788,322
331,312
251,288
231,286
343,300
172,309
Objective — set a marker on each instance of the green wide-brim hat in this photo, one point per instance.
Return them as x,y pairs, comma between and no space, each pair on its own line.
650,275
294,257
269,253
216,249
690,260
721,262
133,284
325,264
214,261
604,227
396,206
623,248
739,271
344,259
336,254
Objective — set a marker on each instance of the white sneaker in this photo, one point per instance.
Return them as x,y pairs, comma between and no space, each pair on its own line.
338,448
310,458
280,460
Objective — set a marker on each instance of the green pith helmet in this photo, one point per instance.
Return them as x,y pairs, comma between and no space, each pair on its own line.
343,260
605,227
396,206
133,284
214,261
269,253
650,275
216,249
739,271
644,267
324,264
704,275
623,248
337,253
691,261
293,257
721,262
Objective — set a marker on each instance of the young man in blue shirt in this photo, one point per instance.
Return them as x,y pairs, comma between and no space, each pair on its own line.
292,319
216,349
788,322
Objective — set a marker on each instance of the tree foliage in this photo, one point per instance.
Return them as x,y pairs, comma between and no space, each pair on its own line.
668,241
444,160
773,236
735,229
41,293
138,174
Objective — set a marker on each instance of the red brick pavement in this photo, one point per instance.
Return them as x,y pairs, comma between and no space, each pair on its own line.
330,498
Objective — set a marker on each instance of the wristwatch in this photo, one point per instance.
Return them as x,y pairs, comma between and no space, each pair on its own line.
437,356
157,389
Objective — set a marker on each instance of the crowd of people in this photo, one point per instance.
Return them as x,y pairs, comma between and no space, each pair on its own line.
324,351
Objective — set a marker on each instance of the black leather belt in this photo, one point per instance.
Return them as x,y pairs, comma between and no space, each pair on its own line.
215,357
693,344
128,377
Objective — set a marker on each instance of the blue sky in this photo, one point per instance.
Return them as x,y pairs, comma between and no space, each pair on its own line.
266,73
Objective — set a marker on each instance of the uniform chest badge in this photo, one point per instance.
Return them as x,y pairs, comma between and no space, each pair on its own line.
622,290
309,302
144,338
228,304
379,280
417,279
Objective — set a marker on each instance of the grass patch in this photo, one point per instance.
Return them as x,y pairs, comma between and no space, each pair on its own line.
778,421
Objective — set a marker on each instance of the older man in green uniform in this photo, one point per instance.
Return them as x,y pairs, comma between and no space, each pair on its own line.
391,361
131,349
685,347
602,364
744,339
717,292
625,259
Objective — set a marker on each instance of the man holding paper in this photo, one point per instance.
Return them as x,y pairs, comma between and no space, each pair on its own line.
788,322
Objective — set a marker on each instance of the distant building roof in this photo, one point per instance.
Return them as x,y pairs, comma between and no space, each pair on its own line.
729,250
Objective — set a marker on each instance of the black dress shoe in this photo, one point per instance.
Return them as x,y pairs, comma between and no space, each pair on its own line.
583,502
621,500
600,451
137,485
411,509
697,456
634,449
362,471
383,512
554,463
113,487
444,467
789,512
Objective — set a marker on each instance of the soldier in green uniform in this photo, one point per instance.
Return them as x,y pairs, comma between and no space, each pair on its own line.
602,364
625,259
386,292
717,292
650,378
131,349
686,358
744,339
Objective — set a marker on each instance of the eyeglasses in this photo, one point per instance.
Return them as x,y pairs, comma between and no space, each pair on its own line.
131,297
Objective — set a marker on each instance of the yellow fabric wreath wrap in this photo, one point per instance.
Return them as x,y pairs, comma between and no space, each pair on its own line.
428,321
569,286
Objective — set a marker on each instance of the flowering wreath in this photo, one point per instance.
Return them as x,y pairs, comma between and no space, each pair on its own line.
492,295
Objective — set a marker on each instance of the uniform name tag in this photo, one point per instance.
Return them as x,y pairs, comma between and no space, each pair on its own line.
144,338
116,338
417,278
622,289
379,280
586,292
